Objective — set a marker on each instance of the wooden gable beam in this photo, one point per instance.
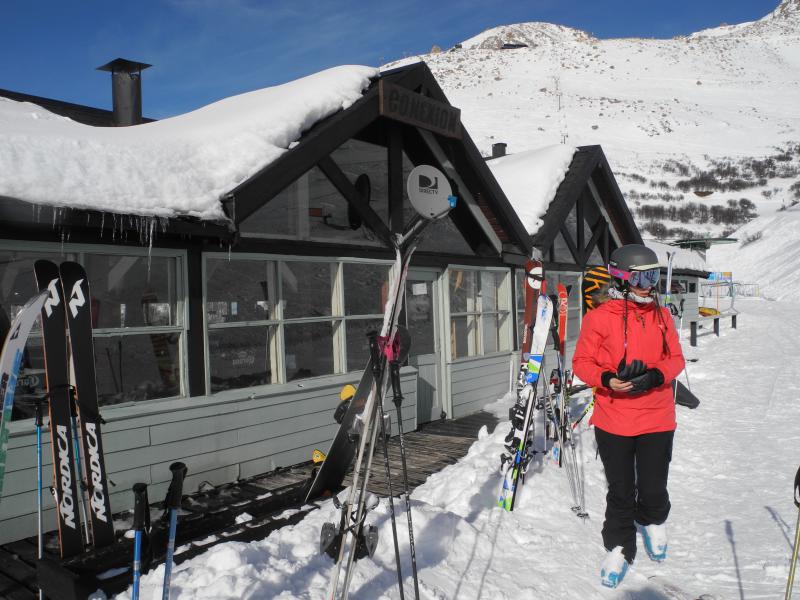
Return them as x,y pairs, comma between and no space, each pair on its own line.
315,144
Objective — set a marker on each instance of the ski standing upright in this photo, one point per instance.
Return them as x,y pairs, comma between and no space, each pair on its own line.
65,476
10,364
75,284
514,461
431,201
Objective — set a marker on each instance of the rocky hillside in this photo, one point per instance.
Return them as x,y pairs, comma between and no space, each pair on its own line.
703,131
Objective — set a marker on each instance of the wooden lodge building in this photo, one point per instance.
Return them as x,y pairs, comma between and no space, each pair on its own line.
225,344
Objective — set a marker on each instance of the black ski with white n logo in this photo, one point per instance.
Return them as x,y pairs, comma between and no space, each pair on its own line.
79,316
65,478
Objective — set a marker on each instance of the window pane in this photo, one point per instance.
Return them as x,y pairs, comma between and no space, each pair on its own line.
132,291
562,251
490,281
490,333
365,288
309,350
236,290
419,316
463,336
18,284
312,208
238,357
463,291
131,368
503,343
358,343
306,288
31,383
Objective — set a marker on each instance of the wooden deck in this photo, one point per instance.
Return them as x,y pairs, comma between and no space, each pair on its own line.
209,517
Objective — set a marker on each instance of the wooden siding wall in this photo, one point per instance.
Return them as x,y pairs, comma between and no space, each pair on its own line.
477,381
229,436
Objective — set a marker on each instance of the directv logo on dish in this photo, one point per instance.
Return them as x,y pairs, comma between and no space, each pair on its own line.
426,186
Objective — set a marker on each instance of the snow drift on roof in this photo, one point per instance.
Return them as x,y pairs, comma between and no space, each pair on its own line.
178,166
530,180
684,258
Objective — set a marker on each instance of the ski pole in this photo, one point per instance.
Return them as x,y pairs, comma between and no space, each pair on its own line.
394,371
377,373
173,503
140,518
793,564
39,533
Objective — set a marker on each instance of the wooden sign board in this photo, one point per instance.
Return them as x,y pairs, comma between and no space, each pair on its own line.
404,105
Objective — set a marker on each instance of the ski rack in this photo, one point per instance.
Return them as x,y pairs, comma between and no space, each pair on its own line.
77,577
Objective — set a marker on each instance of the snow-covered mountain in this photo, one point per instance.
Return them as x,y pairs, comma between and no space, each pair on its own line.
703,131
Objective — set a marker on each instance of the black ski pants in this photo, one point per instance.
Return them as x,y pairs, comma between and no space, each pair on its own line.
636,470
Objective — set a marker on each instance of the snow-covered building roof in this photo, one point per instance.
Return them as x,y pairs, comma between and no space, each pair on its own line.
530,180
180,166
569,203
684,259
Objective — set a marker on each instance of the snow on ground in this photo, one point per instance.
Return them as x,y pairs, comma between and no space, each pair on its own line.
767,253
730,529
177,166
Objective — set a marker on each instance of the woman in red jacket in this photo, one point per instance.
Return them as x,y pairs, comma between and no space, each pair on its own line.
629,351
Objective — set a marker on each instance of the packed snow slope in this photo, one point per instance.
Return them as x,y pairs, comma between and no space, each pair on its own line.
767,252
730,529
675,116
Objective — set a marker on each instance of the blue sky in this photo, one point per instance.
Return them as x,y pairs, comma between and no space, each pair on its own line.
204,50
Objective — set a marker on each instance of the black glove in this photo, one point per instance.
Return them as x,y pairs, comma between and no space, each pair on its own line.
629,371
649,379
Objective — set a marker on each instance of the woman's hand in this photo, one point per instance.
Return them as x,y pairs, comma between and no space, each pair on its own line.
620,386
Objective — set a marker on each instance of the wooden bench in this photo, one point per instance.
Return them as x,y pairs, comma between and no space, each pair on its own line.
693,325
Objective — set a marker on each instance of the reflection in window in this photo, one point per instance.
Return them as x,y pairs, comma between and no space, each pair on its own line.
479,309
306,288
237,291
137,367
358,342
132,291
309,350
463,336
239,357
463,290
127,291
365,288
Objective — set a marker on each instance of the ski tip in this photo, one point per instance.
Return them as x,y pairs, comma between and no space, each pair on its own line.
318,456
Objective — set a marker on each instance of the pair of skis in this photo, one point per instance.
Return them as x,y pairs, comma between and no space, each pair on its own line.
559,399
67,307
519,448
352,535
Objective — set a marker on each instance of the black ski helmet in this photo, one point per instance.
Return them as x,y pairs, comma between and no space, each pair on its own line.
632,257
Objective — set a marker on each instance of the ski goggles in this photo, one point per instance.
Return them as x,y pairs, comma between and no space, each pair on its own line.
641,279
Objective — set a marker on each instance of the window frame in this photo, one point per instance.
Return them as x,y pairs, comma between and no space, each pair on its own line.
277,340
505,306
78,251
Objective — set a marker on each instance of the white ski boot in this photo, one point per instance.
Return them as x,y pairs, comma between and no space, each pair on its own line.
655,541
613,569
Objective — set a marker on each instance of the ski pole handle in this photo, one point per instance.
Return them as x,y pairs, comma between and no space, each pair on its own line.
173,503
175,491
140,508
394,373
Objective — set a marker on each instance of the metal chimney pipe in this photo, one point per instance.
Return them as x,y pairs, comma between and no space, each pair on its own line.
126,90
499,149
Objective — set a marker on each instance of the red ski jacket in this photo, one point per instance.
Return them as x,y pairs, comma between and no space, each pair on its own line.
652,338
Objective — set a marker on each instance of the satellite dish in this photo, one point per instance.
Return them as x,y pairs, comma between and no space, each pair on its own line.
429,192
